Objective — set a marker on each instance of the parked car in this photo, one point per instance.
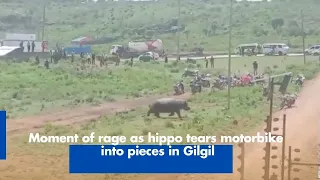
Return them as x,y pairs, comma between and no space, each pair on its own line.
313,50
148,56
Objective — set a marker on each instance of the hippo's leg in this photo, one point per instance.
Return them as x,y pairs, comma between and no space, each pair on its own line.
149,112
157,114
171,114
178,113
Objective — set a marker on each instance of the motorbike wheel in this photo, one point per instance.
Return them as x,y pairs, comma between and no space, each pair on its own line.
206,84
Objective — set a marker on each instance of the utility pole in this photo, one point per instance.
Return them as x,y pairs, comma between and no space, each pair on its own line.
43,20
303,37
229,60
178,23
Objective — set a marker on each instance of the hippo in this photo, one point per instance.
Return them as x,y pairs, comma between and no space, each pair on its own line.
168,105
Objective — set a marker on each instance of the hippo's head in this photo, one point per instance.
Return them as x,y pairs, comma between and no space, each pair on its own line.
185,106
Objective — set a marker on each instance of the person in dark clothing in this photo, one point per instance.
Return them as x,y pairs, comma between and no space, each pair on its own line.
255,68
51,56
64,55
28,46
93,57
21,46
212,62
131,61
242,51
207,62
72,57
181,86
32,46
166,59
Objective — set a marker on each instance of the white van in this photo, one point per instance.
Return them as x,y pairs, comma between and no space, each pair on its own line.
313,50
275,48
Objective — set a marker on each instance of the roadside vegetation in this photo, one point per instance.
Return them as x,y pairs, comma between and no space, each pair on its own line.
204,23
30,89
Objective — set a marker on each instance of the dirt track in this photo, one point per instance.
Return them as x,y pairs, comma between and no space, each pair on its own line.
302,132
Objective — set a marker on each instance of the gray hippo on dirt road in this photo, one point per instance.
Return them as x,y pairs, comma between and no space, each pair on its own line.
168,105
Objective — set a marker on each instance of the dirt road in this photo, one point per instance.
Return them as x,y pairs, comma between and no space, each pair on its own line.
78,115
302,132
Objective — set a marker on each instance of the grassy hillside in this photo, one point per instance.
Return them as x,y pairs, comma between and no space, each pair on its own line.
205,22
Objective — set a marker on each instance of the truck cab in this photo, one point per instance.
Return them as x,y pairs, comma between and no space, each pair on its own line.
123,51
116,49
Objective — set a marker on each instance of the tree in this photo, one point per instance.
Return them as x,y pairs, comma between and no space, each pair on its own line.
277,23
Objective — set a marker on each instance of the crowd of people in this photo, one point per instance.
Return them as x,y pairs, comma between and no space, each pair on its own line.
31,46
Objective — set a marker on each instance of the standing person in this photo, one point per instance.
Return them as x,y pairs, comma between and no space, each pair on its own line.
21,46
165,59
42,46
72,57
51,56
64,55
28,46
33,45
212,62
93,57
131,61
207,62
255,68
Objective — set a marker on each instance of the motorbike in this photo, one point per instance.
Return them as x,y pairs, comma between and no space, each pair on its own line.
195,87
178,89
190,73
205,80
288,101
299,81
219,84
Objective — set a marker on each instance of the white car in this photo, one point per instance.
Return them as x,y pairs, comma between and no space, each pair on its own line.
313,50
149,56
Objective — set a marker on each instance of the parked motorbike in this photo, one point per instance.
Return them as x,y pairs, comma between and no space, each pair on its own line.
205,80
178,89
195,87
190,73
220,84
299,80
288,101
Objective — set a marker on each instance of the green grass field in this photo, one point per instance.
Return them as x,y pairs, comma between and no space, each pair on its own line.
206,22
30,89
